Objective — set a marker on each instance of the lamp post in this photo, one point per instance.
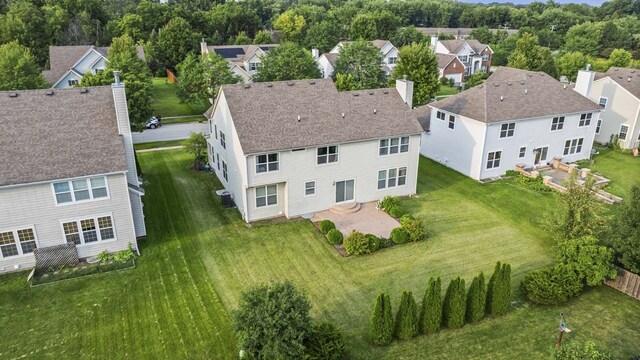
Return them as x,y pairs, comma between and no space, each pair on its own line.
563,329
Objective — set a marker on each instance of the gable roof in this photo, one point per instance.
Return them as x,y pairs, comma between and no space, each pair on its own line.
238,53
459,31
456,45
68,134
629,79
331,58
514,94
446,59
265,114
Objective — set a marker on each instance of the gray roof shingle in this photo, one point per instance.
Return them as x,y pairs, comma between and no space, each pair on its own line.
514,94
455,45
265,114
444,60
68,134
629,79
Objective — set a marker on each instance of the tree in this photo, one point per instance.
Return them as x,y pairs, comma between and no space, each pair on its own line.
581,351
325,342
363,27
196,145
242,39
361,60
381,322
585,38
273,321
175,41
407,35
620,58
482,34
625,239
528,55
474,80
323,36
232,17
454,306
262,37
551,285
588,260
570,63
476,299
291,25
407,317
499,290
200,77
419,64
288,61
18,68
431,309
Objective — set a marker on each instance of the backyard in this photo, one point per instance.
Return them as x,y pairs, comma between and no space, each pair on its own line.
167,104
199,257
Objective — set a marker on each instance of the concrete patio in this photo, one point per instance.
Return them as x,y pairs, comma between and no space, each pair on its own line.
361,217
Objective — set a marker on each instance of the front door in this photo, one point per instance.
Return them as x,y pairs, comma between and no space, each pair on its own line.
344,191
541,155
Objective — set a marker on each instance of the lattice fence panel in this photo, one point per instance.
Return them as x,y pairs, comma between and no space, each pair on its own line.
56,256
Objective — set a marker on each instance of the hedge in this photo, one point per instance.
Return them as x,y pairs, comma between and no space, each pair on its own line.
335,237
326,226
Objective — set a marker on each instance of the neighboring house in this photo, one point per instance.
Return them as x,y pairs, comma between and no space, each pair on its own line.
68,64
514,117
244,60
68,173
326,62
459,33
292,148
618,93
451,67
475,56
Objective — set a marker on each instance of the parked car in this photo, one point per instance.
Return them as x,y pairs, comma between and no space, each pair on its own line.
154,122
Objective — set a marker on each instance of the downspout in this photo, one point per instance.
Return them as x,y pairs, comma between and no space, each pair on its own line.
484,145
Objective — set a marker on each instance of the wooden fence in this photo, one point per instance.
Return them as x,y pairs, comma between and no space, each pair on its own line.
171,76
627,282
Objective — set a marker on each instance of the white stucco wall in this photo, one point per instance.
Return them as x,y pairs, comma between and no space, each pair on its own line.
622,108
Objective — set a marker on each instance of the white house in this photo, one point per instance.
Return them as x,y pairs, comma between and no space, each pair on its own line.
244,60
68,173
475,56
515,117
459,33
618,93
389,57
68,64
292,148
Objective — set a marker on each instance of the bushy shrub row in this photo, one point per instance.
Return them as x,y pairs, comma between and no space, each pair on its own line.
358,243
335,237
326,226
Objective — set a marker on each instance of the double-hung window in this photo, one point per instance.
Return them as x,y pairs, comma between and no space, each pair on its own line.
72,82
507,130
392,177
223,140
215,130
253,66
493,159
393,60
266,195
224,171
327,154
267,162
573,146
309,188
485,57
603,102
585,119
394,145
17,242
89,230
624,129
463,58
598,126
452,122
557,123
440,115
80,190
522,152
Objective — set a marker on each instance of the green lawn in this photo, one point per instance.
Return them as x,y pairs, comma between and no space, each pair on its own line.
182,120
199,257
158,144
623,169
447,90
166,103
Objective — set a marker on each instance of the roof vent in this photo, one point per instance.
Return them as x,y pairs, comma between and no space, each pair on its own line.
565,86
496,84
290,83
619,77
628,79
343,115
371,93
509,83
312,82
385,91
530,75
269,85
521,82
356,94
299,118
13,94
481,86
246,86
501,98
84,91
375,111
633,71
50,92
526,91
541,74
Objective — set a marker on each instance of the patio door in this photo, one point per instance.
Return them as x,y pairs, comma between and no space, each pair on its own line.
344,190
541,155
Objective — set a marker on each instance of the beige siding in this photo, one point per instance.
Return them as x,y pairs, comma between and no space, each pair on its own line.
622,108
137,213
34,205
265,212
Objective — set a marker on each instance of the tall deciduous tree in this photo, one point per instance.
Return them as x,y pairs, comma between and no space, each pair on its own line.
273,321
585,38
175,41
361,60
364,27
200,77
18,69
407,318
263,37
528,55
288,61
431,309
407,35
419,64
454,306
291,25
381,321
323,35
625,239
590,261
620,58
570,63
196,145
476,299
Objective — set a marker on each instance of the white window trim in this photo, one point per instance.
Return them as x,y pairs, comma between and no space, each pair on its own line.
73,195
399,145
486,159
606,102
337,154
225,171
626,134
598,126
525,151
315,188
586,118
563,122
267,163
266,196
507,131
95,219
569,153
16,239
443,113
449,122
223,140
386,180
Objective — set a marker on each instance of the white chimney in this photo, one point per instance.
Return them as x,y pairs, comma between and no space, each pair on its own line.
584,81
124,127
434,41
315,53
405,89
203,47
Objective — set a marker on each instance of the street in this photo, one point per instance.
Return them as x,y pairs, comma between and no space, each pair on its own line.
169,132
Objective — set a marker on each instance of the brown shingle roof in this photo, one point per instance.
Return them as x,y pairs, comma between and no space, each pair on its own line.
444,60
455,45
514,94
64,135
629,79
265,114
332,58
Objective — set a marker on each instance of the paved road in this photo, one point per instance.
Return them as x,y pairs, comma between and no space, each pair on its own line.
169,132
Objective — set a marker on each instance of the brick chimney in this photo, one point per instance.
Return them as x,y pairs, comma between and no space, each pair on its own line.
124,127
405,89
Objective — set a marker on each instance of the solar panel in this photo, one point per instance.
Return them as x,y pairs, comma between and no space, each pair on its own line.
266,48
230,53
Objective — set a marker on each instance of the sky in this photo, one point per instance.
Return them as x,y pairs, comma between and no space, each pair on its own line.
524,2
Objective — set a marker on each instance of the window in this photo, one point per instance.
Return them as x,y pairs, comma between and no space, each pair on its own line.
266,195
223,141
507,130
603,102
215,127
452,122
90,230
485,57
573,146
17,242
218,161
73,82
394,145
624,129
327,154
310,188
393,60
493,159
80,190
557,123
585,119
392,177
598,126
522,152
213,153
267,162
440,115
253,66
224,171
463,58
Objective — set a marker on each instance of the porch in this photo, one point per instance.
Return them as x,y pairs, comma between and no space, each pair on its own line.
364,218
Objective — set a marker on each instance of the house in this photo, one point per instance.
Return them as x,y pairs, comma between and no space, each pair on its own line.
451,67
475,56
389,53
459,33
69,173
244,60
292,148
68,64
515,117
618,93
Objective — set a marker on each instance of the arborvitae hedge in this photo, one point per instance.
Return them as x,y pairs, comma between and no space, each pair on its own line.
499,290
407,317
476,298
431,310
381,324
454,307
